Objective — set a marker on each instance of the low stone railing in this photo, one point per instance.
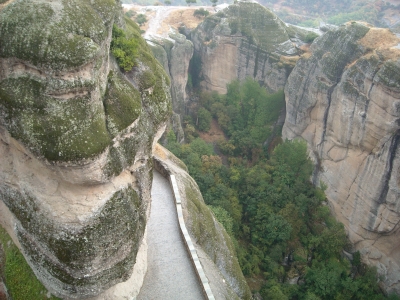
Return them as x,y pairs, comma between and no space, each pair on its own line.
185,234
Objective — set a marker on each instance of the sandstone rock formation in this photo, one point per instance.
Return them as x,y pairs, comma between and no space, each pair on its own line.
175,53
344,100
76,137
245,39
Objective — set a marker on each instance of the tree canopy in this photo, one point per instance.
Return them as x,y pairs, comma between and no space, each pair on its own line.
280,223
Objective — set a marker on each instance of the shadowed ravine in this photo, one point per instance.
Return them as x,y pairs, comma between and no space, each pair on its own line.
170,274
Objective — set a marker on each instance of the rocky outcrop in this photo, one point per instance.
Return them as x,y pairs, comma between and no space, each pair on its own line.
213,245
175,53
245,40
344,100
76,136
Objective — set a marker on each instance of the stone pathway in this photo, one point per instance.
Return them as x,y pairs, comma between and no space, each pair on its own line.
170,274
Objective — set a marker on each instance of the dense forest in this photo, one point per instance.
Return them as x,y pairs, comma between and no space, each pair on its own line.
288,244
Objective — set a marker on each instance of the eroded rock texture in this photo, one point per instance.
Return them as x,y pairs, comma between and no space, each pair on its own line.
175,53
344,100
76,137
245,40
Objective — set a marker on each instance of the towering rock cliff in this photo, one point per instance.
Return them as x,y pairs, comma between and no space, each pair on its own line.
344,100
245,39
76,137
175,53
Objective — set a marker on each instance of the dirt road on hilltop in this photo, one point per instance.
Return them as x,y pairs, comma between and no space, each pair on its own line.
162,18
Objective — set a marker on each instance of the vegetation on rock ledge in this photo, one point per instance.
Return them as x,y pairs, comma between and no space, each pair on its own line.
124,49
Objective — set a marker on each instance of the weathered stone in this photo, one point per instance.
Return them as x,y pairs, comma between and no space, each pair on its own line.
344,101
245,40
175,53
76,137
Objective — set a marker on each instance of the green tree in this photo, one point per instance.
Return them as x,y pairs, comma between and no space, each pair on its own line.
141,19
201,147
310,37
273,293
224,218
201,12
270,228
172,145
324,279
330,242
204,119
130,13
124,49
293,155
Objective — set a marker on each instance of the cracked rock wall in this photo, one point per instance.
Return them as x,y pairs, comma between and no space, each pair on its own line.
344,100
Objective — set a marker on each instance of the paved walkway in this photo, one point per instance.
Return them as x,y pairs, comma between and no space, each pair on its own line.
170,274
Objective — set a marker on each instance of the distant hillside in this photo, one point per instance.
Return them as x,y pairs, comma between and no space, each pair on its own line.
311,12
174,2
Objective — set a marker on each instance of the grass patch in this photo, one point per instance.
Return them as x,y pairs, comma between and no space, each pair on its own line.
21,282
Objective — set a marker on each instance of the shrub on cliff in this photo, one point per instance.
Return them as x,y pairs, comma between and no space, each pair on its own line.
141,19
201,12
125,50
204,119
310,37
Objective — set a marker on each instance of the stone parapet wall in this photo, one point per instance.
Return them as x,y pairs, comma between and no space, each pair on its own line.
185,234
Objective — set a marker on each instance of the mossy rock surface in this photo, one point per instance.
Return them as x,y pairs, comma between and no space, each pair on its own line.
122,103
60,130
257,24
152,85
55,35
146,57
40,111
389,75
72,257
65,105
338,48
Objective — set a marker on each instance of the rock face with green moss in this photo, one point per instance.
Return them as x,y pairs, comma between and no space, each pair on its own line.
344,100
175,53
76,136
213,245
245,39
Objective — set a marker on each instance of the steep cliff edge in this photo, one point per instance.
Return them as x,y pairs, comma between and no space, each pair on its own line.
174,53
76,137
245,39
344,100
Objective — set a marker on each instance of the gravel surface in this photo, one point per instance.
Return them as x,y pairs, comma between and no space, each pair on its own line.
170,274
